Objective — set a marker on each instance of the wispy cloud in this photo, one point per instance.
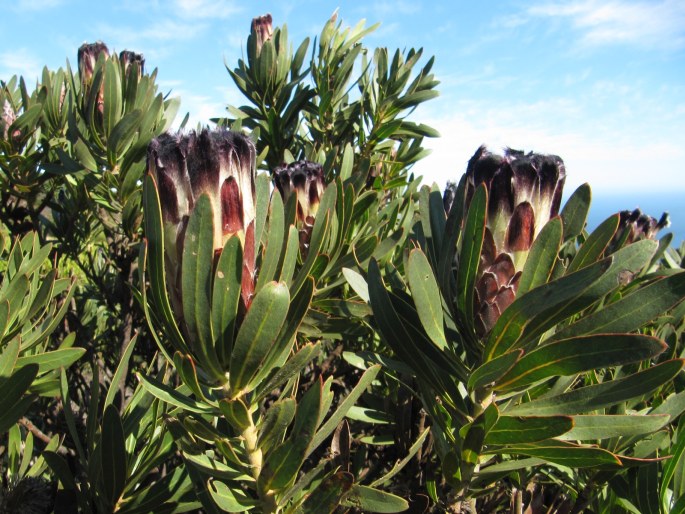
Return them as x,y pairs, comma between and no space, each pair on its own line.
163,31
647,24
20,62
596,149
206,8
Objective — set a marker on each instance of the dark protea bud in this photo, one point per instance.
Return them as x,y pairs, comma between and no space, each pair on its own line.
88,55
7,118
261,30
524,193
220,164
449,196
30,495
128,59
305,180
635,226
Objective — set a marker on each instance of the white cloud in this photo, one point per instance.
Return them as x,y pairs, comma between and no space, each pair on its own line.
150,38
207,8
648,24
611,161
20,62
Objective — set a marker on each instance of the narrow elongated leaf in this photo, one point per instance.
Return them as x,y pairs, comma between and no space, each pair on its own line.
171,396
112,97
274,243
230,499
357,282
427,298
542,257
113,455
48,361
368,499
603,426
469,255
225,298
122,367
257,334
493,370
292,366
13,404
344,406
564,453
9,355
575,355
574,214
595,244
275,423
196,279
632,311
283,463
517,430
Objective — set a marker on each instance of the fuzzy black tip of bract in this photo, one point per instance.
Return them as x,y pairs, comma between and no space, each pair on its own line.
88,54
128,58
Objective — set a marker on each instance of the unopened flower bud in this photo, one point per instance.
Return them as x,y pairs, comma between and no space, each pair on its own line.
220,164
262,30
7,118
305,180
524,193
128,59
88,55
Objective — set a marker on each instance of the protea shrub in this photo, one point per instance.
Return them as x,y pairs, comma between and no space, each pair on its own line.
221,165
524,193
305,180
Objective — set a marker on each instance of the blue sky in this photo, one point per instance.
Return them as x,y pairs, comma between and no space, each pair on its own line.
600,83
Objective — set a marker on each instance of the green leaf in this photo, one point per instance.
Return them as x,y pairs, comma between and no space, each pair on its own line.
13,403
574,214
257,334
292,366
226,297
325,499
47,361
230,500
368,499
469,256
196,279
344,406
491,371
236,414
563,453
517,430
575,355
593,427
122,368
113,455
284,462
274,243
171,396
647,488
427,297
595,244
606,394
632,311
357,283
542,257
112,96
275,423
8,358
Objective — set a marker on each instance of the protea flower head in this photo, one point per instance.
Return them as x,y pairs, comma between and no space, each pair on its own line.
127,58
305,180
524,193
262,29
88,55
634,226
220,164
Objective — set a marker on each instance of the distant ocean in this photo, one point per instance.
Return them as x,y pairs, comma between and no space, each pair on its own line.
654,204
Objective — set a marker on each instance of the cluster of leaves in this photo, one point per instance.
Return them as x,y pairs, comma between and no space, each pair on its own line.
326,357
